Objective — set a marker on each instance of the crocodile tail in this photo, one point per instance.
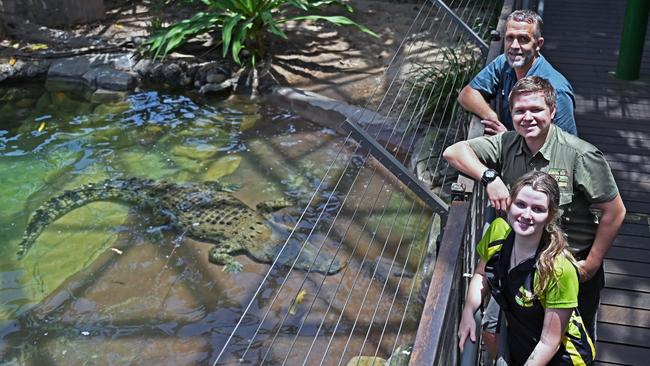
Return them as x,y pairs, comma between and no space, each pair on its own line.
123,190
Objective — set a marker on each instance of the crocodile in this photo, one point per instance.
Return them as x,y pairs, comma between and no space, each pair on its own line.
205,211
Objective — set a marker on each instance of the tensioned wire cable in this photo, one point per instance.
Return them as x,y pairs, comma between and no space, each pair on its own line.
486,24
310,308
381,294
304,318
329,168
320,286
409,250
319,215
382,251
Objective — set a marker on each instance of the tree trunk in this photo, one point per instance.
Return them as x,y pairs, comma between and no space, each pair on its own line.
53,12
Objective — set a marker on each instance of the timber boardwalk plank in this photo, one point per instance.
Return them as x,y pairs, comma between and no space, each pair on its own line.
582,40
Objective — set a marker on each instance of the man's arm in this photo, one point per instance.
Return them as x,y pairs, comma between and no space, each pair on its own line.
473,101
613,214
461,156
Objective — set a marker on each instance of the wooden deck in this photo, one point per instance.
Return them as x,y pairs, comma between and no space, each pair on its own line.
582,40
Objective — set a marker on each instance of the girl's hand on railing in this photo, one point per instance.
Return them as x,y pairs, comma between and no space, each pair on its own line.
466,327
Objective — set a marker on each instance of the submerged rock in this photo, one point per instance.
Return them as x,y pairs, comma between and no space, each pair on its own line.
367,361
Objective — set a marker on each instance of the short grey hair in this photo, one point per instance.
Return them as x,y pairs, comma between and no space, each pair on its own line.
530,17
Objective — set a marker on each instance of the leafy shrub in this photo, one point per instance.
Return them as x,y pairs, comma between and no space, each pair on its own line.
244,24
439,84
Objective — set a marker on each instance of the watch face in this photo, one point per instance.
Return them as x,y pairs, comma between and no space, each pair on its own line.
490,174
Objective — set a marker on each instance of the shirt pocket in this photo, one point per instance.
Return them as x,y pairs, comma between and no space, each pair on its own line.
566,198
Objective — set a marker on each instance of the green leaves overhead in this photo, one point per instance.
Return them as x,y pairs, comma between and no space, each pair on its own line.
244,24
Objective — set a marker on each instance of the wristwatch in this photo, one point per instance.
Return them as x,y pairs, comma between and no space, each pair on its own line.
488,176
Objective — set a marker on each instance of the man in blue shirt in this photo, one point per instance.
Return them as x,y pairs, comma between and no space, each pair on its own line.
520,58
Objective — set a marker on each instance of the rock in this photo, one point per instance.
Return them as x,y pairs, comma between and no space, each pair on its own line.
112,109
172,73
200,152
107,96
25,103
210,68
143,67
427,161
401,356
17,94
70,68
125,62
367,361
222,167
64,85
43,102
215,78
157,76
23,69
106,77
207,88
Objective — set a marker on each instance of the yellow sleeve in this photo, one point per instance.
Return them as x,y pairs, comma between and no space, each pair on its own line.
562,291
492,240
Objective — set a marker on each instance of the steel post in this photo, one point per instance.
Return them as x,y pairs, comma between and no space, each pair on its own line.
632,39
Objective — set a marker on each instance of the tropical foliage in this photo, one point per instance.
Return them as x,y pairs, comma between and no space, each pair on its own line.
244,24
439,84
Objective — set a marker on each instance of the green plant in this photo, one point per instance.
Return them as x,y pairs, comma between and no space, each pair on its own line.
244,24
438,85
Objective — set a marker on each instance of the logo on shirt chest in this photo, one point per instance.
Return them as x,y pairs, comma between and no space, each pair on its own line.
524,298
561,176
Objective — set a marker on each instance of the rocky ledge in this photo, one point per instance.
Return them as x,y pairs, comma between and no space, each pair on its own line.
120,72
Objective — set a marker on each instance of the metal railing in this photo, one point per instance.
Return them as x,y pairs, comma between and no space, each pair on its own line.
436,341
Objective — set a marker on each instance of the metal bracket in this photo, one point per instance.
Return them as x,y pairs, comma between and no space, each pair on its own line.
458,192
397,168
464,27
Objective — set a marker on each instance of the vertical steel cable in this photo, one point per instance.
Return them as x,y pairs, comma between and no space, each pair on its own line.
366,293
301,217
486,25
301,324
258,290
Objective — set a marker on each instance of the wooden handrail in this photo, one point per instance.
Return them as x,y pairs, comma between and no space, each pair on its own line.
441,298
436,341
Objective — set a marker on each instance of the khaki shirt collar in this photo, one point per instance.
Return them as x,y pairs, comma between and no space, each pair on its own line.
545,151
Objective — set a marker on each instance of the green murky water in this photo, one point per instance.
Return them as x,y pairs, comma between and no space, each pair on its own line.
105,284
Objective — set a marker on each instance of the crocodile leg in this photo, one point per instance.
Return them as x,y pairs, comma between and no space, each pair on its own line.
268,207
222,254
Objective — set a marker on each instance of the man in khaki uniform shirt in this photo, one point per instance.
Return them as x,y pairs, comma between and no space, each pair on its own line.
583,175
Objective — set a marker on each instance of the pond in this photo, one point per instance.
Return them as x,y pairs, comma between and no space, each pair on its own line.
110,283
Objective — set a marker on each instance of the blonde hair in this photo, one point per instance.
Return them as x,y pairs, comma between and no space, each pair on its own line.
553,242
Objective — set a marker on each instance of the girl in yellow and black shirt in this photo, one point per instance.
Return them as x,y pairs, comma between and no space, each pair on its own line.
527,268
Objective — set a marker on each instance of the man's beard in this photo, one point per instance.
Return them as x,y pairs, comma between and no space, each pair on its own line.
525,60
